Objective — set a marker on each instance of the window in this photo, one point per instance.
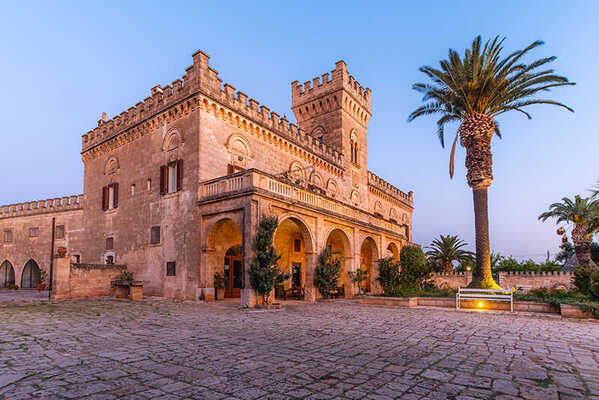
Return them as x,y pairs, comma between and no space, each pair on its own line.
7,236
155,235
171,268
297,245
132,189
109,259
34,232
231,169
354,151
110,196
149,185
171,177
59,231
109,243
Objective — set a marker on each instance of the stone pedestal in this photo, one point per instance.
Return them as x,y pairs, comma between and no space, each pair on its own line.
121,292
136,293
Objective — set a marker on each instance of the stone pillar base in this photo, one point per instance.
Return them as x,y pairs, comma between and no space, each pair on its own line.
248,298
208,294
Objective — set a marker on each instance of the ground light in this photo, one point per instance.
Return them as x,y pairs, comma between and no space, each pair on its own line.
480,304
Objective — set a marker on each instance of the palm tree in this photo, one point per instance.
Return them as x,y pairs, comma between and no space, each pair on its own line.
584,214
446,250
473,90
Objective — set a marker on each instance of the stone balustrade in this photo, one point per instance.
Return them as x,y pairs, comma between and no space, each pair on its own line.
253,180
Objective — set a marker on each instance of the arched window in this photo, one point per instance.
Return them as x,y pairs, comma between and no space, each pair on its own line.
7,275
31,275
354,148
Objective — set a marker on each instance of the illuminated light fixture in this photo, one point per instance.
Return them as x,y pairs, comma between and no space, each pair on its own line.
480,304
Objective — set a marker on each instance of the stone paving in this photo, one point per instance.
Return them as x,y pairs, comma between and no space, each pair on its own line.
162,349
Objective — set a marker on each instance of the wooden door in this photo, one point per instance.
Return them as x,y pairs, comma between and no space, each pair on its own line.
233,272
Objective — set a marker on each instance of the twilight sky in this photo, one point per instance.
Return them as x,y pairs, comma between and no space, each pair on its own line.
62,65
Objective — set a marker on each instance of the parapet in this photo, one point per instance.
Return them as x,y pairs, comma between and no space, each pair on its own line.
536,273
387,188
200,77
338,79
58,204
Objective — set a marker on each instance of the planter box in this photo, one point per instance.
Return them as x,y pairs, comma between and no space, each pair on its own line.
128,290
448,302
570,311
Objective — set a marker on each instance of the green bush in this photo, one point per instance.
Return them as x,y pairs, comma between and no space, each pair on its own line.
327,272
586,279
263,271
388,275
511,264
415,269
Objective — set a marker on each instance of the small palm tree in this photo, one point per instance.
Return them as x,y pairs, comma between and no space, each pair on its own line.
473,90
446,250
584,214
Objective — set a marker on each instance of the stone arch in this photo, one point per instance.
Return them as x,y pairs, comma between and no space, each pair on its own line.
393,214
221,237
316,179
31,275
294,242
318,132
112,166
378,208
355,197
7,274
171,140
296,172
392,251
332,187
339,242
369,255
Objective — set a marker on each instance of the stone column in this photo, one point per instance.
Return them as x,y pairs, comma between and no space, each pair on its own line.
309,289
250,222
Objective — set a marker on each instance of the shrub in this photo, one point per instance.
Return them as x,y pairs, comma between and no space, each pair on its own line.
125,276
358,277
327,272
414,267
388,275
264,274
586,280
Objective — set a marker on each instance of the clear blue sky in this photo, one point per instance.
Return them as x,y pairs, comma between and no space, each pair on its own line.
63,64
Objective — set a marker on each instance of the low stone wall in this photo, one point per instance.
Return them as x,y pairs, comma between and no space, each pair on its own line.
76,281
532,280
449,302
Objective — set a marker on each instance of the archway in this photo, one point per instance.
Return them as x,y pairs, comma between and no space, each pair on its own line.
293,243
368,256
225,256
392,251
31,275
7,274
338,242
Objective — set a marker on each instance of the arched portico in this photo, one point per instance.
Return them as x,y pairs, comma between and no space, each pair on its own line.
339,243
368,258
7,274
293,241
31,275
224,254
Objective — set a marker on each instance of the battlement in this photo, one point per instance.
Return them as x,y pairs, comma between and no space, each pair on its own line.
536,273
387,188
325,84
42,206
199,79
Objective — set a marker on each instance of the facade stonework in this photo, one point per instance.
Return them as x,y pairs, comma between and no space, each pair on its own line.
174,188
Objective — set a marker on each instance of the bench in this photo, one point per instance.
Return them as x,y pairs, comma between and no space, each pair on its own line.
485,294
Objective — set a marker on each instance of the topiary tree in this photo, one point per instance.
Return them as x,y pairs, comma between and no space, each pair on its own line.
264,274
388,275
327,272
415,269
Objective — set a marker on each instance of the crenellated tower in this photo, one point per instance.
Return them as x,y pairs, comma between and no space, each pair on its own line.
336,109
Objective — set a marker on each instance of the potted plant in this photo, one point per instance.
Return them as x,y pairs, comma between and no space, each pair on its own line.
43,277
357,277
219,285
62,251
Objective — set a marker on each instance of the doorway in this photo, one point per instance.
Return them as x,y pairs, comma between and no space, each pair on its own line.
233,272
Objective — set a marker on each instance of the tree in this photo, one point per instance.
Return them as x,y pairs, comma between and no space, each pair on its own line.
473,90
566,251
357,277
264,274
584,215
389,272
415,269
327,272
446,250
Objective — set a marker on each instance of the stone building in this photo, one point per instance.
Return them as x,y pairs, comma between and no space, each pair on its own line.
174,188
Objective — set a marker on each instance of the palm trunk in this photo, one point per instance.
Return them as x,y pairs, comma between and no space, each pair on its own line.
446,266
482,276
476,132
582,245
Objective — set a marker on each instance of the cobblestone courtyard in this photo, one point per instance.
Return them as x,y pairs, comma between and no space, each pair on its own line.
105,349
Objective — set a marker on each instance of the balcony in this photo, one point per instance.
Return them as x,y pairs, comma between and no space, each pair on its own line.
254,181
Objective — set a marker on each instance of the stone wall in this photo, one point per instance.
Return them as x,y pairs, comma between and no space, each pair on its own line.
532,280
76,281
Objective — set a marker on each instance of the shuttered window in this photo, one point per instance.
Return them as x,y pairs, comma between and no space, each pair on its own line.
59,231
171,177
155,235
110,196
171,268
